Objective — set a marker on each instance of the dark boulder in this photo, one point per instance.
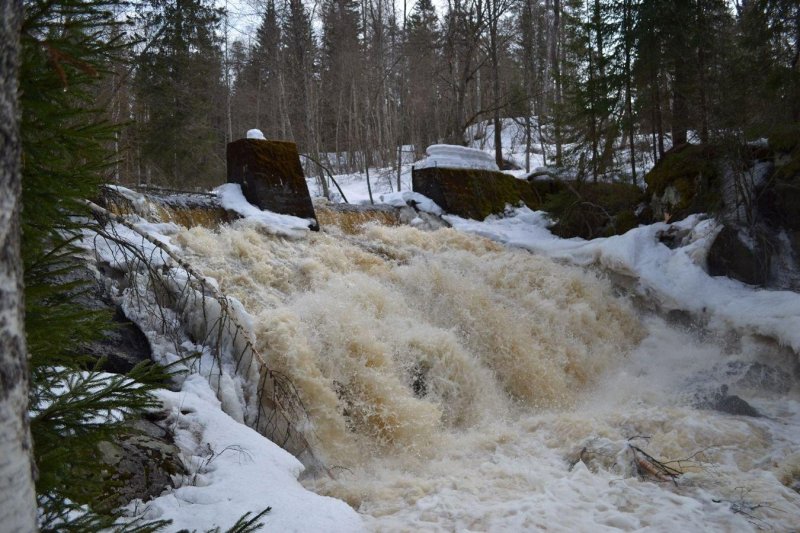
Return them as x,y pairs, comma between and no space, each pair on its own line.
123,345
718,399
594,209
684,181
740,256
139,465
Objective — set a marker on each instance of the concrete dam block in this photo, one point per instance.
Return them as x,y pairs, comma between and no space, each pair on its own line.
271,176
473,193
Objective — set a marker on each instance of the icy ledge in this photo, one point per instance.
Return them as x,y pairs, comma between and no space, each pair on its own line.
675,277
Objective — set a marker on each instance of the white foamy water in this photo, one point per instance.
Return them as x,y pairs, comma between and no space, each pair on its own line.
455,385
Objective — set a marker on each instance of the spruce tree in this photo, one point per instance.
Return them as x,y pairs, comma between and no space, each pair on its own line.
180,93
67,47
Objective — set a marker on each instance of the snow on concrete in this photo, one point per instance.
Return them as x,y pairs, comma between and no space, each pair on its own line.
454,156
256,134
231,197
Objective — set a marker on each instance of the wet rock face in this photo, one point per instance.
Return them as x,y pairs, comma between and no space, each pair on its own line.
271,176
123,346
719,400
140,465
735,256
758,377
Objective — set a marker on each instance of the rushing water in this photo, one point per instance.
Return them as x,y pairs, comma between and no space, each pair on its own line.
454,384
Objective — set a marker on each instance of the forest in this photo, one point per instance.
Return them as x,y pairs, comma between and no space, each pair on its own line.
353,83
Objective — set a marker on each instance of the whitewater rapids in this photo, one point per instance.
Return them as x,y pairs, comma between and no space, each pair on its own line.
455,384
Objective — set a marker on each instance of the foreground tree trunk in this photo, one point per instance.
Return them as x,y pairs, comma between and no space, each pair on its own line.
17,500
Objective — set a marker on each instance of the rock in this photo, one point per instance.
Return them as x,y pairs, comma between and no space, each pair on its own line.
758,376
684,181
123,346
733,405
141,465
735,256
271,176
719,400
594,209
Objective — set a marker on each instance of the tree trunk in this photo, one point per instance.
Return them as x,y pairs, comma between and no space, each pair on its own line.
18,508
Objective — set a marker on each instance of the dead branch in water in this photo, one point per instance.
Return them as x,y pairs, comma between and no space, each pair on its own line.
649,466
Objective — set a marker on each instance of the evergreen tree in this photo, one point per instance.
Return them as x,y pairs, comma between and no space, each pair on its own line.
423,104
179,92
341,72
299,59
257,90
67,48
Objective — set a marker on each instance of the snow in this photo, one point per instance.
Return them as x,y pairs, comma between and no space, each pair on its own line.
404,198
234,470
676,277
231,197
256,134
454,156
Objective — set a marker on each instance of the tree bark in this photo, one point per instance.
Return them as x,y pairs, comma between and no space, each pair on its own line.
18,507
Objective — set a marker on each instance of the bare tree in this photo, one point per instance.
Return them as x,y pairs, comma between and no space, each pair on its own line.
18,508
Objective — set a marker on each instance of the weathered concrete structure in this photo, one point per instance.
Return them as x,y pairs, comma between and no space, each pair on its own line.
271,176
473,193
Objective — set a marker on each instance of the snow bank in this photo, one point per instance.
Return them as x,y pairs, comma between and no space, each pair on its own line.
231,197
234,470
453,156
405,198
676,277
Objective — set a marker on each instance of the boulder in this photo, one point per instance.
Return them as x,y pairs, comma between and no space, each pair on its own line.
684,181
594,209
139,465
271,176
123,346
719,400
739,256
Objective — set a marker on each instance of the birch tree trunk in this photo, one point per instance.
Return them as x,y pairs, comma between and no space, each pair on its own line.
17,500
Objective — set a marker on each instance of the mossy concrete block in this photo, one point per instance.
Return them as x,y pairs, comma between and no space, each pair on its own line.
472,193
270,175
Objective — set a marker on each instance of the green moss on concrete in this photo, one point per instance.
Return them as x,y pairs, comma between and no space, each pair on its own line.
472,193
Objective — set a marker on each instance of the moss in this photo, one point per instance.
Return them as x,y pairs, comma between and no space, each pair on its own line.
691,171
591,210
785,138
270,175
472,193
